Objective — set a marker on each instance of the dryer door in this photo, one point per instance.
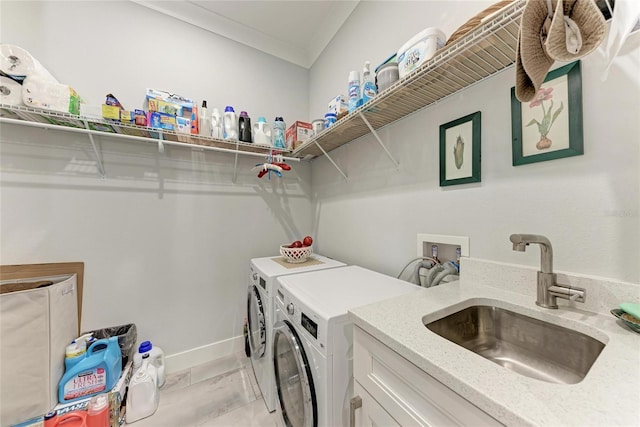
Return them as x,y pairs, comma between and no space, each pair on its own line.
256,323
294,381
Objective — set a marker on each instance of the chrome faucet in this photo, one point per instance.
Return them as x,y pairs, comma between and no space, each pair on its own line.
548,289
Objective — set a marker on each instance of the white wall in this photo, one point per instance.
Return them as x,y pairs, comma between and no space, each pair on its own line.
587,205
166,239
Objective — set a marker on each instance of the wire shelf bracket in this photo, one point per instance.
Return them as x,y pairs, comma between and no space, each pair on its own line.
95,151
332,162
375,134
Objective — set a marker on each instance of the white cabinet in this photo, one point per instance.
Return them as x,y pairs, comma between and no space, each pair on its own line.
371,414
396,392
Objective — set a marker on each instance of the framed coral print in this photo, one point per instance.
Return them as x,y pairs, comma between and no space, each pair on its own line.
550,126
460,151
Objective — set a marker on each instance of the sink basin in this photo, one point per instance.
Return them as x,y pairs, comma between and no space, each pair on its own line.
522,344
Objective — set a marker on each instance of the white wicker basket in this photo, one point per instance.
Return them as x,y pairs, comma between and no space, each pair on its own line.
296,255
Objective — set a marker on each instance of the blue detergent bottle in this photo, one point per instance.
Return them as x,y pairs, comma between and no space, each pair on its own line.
93,372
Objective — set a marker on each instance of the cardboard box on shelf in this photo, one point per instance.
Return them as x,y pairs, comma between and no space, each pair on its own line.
111,112
338,105
297,133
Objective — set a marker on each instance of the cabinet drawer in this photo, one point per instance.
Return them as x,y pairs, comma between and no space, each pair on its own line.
408,394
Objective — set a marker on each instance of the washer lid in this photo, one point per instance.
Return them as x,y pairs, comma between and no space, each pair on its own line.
267,267
331,293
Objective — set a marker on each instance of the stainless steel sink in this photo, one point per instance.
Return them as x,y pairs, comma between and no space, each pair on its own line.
522,344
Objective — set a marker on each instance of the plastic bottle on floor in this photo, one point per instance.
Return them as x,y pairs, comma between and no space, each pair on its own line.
143,395
155,356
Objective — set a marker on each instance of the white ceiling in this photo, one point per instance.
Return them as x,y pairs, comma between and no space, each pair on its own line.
296,31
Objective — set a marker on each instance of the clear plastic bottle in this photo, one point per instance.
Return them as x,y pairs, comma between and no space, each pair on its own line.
369,89
279,129
354,90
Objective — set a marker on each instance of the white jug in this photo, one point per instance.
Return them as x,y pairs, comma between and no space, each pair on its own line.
143,395
155,356
262,132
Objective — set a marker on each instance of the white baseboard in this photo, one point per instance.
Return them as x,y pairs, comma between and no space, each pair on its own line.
196,356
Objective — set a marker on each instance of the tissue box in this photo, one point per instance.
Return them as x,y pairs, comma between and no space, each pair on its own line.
126,116
297,133
170,103
162,121
111,112
338,105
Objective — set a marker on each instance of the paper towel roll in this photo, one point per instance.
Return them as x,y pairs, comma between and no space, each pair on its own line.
10,91
18,64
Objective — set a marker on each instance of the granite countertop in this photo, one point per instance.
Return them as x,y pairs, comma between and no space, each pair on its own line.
608,396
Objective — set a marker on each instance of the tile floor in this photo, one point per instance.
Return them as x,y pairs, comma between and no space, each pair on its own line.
220,393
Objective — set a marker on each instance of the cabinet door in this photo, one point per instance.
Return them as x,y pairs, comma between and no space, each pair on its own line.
371,414
409,395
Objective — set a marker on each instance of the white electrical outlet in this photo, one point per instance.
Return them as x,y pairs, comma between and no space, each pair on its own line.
447,246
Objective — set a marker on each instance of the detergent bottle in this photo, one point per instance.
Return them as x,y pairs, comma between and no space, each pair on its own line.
244,127
262,132
93,372
216,124
230,122
142,396
155,356
98,411
78,347
77,418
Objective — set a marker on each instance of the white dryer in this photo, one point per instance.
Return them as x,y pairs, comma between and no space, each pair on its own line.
313,340
260,313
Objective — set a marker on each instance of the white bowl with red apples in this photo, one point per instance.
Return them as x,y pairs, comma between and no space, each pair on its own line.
298,251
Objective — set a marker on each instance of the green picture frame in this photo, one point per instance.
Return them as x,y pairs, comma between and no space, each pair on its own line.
460,149
550,131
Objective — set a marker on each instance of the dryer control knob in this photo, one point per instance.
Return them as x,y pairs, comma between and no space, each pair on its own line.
291,309
255,276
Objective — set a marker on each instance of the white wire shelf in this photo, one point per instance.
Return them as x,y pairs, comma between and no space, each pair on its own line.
484,52
28,116
37,118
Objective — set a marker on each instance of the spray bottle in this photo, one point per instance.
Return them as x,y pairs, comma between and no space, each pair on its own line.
369,89
354,90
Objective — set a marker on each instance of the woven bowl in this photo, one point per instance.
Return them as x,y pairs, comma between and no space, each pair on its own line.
296,255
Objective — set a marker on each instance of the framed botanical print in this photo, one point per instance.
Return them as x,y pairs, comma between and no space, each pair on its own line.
460,150
550,126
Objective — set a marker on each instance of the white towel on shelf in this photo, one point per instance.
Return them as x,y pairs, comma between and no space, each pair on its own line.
18,64
10,92
626,15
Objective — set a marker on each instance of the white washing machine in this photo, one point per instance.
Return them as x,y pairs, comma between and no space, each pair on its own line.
260,313
313,340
